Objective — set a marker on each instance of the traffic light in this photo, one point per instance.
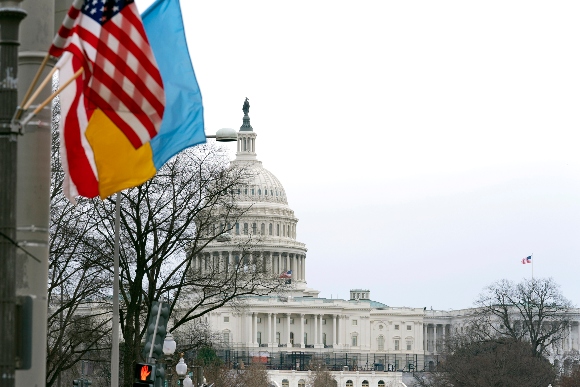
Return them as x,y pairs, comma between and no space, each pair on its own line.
156,330
144,375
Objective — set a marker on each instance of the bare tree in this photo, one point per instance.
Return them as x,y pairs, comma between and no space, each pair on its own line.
191,202
78,319
533,310
494,363
320,375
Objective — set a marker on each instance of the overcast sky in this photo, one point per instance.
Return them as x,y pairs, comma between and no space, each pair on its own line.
426,147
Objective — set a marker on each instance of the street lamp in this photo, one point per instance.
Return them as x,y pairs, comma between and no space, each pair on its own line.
168,350
181,369
224,135
187,382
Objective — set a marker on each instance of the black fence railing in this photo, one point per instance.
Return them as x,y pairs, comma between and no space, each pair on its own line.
334,361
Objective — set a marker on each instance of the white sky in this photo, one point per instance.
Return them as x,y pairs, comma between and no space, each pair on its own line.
425,146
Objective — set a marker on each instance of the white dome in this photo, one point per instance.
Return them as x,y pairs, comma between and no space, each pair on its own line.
263,186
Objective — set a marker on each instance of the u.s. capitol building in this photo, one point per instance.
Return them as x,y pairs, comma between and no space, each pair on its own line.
363,337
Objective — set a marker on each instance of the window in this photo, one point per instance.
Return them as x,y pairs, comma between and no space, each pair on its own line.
396,327
237,229
283,230
381,343
259,191
381,383
245,229
324,338
270,229
245,190
355,341
396,345
285,383
323,321
291,321
349,383
226,319
277,230
226,337
305,321
259,319
259,337
408,327
291,337
365,383
409,345
254,229
301,383
305,338
381,326
278,337
252,191
263,229
278,320
354,322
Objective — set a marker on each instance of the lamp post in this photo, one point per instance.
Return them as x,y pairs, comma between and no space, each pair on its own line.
181,369
169,346
224,135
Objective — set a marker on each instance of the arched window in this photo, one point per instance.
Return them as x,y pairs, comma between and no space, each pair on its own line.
254,228
278,230
365,383
252,191
301,383
285,383
354,339
259,191
237,229
226,337
245,229
245,190
381,342
283,230
270,229
349,383
263,229
381,383
291,337
266,192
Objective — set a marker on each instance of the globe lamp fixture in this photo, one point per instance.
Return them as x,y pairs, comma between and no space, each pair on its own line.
169,345
181,367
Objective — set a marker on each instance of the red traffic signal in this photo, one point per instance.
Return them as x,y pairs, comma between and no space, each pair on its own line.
145,373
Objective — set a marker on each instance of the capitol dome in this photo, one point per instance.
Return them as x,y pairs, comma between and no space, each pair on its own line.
268,220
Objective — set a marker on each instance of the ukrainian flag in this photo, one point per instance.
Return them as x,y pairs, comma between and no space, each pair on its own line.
119,165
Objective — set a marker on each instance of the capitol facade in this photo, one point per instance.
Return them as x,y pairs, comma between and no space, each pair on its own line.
364,342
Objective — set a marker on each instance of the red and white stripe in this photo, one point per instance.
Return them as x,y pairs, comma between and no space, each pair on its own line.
120,72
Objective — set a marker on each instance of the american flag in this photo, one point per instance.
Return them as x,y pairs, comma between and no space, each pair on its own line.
527,259
286,274
120,73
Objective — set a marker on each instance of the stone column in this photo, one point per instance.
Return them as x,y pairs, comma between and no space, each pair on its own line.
255,329
315,342
274,334
269,341
288,262
288,344
434,338
334,320
301,330
320,338
249,339
339,328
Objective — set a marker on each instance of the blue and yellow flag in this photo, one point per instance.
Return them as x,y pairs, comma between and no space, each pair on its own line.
121,166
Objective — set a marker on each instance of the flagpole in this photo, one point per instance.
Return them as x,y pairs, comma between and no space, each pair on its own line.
115,333
532,266
50,98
